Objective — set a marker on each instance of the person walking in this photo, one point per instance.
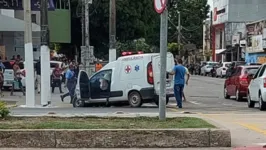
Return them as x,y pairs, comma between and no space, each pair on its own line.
179,71
17,78
70,83
38,72
56,78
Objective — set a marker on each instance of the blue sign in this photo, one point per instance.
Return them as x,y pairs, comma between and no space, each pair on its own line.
18,5
137,68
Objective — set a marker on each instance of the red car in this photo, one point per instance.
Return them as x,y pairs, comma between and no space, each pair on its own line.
238,81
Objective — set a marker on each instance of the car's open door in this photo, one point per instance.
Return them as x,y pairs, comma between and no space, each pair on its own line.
157,71
83,85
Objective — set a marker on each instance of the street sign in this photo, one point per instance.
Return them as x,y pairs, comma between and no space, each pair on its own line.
159,6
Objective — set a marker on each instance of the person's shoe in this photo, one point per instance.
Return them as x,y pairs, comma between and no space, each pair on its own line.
39,92
62,98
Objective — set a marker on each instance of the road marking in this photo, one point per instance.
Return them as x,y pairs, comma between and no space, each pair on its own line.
194,102
252,127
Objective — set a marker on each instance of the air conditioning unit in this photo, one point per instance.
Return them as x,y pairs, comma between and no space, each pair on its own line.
243,43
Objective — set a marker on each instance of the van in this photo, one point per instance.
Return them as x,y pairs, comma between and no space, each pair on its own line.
134,79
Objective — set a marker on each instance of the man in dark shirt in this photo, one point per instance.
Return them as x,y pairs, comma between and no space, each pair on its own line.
38,72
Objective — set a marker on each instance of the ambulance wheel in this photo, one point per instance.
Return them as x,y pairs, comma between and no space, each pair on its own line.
134,99
78,102
157,100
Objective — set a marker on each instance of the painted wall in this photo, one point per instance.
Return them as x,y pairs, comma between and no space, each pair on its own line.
238,10
255,58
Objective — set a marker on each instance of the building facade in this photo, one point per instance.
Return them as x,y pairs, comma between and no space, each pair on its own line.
228,29
256,42
12,28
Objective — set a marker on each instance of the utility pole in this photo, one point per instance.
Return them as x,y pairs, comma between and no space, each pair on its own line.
82,22
30,96
163,54
45,56
112,31
179,32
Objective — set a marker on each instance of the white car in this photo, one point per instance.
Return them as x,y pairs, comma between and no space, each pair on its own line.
257,89
221,71
134,79
205,70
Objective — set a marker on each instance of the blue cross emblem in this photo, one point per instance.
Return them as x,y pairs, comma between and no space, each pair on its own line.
137,67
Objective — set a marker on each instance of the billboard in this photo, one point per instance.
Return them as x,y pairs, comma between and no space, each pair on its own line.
220,11
18,4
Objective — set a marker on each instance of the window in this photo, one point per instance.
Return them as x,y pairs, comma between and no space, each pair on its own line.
106,74
33,18
221,39
256,74
262,71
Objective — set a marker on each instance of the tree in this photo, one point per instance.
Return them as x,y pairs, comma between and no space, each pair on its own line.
193,13
135,19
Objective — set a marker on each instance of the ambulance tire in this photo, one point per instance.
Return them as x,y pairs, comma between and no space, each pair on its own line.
134,99
78,102
157,100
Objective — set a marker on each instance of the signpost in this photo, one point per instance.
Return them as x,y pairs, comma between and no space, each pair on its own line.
160,8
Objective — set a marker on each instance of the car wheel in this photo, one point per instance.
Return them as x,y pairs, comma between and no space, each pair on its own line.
226,96
134,99
238,97
78,102
157,100
262,104
251,104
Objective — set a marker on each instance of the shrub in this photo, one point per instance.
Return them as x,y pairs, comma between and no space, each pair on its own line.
4,110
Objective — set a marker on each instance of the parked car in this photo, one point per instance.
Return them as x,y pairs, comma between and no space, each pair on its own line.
221,71
257,89
205,70
237,82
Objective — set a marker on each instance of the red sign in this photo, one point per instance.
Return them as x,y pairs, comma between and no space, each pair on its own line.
128,69
159,6
215,14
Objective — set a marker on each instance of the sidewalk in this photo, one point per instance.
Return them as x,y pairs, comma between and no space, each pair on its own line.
19,100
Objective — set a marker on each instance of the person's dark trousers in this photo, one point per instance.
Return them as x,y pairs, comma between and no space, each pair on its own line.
71,89
178,91
57,83
64,95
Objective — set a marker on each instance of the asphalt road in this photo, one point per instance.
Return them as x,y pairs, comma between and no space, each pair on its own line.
204,95
204,99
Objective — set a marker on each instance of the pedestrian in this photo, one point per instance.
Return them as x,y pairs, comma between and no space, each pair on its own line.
70,83
179,71
183,95
17,78
56,78
38,72
98,66
1,81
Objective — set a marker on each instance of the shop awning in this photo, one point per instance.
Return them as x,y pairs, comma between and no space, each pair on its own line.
14,24
219,51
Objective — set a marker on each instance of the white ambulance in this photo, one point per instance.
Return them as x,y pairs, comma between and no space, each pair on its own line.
133,79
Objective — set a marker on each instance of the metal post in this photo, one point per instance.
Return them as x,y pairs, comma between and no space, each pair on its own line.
112,31
30,96
45,56
87,38
82,22
179,32
163,53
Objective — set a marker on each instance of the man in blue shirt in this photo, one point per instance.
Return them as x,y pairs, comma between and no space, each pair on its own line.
179,71
70,83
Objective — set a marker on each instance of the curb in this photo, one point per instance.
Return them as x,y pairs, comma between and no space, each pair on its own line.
115,138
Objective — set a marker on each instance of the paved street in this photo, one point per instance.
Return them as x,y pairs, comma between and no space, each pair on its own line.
205,100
